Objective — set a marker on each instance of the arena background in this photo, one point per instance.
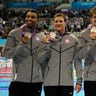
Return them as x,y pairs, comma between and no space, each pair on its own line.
6,65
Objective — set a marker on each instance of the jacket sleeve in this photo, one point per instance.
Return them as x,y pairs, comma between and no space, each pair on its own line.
78,63
43,54
92,52
12,49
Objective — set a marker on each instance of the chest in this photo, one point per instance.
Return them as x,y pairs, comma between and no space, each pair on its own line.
66,44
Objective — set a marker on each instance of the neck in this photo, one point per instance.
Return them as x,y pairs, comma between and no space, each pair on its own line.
31,28
61,32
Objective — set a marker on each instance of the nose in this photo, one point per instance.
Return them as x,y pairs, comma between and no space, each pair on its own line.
29,19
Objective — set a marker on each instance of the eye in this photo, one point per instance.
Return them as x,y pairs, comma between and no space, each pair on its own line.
60,21
94,16
56,21
33,17
27,16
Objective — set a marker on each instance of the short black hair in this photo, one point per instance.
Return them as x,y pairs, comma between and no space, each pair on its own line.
35,11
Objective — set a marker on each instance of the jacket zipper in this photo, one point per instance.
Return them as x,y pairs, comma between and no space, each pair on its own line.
31,61
59,66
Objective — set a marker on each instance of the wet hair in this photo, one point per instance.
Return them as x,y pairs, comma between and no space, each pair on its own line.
93,11
35,11
60,15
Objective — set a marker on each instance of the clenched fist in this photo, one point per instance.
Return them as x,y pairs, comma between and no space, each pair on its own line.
93,33
26,37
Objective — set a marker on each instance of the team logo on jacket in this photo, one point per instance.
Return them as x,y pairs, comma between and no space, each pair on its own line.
37,39
67,40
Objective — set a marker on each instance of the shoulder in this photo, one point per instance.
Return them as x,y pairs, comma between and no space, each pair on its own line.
85,32
15,31
74,37
85,35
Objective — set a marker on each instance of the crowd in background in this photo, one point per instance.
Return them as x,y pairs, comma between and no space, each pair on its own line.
77,20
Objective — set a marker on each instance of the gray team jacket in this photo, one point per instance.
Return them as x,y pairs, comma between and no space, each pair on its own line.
59,70
25,67
88,53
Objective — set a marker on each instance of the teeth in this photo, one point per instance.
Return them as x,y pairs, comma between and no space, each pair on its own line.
29,22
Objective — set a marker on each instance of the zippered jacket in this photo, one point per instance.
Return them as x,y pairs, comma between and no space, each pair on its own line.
59,70
25,66
88,53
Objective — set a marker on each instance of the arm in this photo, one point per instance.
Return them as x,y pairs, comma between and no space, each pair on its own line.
79,71
78,67
43,55
13,47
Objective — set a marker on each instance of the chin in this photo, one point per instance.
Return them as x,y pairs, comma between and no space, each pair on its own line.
29,25
58,29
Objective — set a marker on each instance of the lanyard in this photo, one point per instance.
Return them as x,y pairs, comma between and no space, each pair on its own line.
24,31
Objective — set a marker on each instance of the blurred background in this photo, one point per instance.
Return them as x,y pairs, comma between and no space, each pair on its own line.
12,14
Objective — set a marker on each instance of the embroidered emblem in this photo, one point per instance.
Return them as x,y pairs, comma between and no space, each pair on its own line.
67,40
37,38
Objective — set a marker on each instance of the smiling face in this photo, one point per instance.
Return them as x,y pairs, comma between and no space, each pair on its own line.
59,23
93,16
31,19
93,19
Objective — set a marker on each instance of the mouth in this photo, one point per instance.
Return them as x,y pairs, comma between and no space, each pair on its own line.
29,22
